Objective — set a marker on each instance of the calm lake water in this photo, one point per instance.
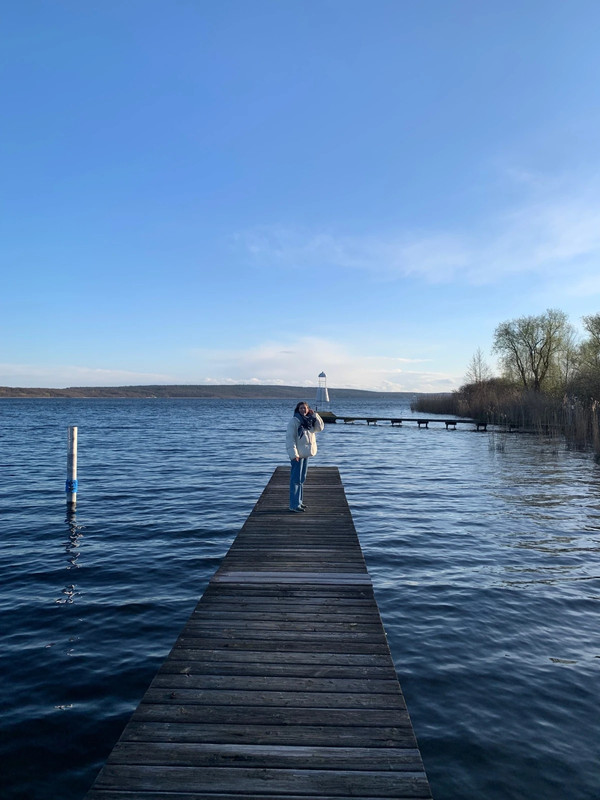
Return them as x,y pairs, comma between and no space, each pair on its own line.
484,550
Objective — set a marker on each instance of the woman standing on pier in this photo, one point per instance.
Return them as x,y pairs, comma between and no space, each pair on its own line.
301,444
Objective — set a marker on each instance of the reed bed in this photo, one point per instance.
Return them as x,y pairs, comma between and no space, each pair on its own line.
502,404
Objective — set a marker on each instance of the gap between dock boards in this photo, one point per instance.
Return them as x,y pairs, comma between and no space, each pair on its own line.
281,684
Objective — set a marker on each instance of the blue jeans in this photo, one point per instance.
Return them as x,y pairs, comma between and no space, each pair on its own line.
297,478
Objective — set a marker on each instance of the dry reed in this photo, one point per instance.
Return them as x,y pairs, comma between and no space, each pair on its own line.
499,403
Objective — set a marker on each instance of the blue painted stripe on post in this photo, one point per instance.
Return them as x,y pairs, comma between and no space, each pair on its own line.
71,486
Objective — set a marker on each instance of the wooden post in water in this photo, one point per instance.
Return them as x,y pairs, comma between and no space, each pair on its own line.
71,484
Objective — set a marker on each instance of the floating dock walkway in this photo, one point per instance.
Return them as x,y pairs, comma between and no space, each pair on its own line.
281,684
480,425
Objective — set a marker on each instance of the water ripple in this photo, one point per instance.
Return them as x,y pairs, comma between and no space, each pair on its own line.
484,551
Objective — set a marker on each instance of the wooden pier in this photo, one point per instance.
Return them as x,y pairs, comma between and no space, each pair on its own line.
422,422
281,684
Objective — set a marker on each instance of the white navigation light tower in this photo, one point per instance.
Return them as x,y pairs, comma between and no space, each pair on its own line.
322,399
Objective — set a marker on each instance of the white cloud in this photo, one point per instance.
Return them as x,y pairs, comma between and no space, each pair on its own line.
549,234
435,257
293,362
299,362
63,375
582,287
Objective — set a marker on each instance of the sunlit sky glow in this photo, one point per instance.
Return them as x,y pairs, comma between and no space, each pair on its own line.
258,190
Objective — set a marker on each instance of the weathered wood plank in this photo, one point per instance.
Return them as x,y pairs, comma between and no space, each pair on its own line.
340,578
277,715
192,662
238,599
274,616
311,645
239,622
189,680
279,631
118,795
282,735
185,754
283,657
265,781
109,794
292,597
263,698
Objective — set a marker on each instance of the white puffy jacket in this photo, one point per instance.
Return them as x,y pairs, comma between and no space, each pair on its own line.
303,446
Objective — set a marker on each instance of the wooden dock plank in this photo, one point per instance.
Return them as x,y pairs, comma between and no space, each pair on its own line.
181,711
282,659
263,782
265,698
290,646
395,737
266,756
262,622
218,663
281,684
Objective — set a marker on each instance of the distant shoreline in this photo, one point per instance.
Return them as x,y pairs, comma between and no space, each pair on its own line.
223,392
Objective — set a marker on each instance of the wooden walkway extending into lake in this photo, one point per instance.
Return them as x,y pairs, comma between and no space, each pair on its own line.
281,684
421,421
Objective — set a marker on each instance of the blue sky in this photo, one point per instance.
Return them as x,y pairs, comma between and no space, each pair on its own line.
258,190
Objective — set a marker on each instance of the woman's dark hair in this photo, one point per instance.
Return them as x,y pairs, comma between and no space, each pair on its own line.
301,403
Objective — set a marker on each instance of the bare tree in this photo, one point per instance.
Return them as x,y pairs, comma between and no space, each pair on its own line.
533,349
590,348
478,370
588,378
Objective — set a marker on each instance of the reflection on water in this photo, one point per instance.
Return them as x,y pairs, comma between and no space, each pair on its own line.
483,548
72,545
75,532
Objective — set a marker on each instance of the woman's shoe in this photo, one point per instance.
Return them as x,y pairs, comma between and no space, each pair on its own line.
303,506
297,510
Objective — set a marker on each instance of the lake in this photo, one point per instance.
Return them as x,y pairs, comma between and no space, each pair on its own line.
484,550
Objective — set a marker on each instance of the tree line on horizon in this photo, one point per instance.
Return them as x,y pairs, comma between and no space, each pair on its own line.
548,377
203,391
542,354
